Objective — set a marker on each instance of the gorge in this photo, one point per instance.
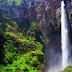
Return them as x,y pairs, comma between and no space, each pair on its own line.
35,35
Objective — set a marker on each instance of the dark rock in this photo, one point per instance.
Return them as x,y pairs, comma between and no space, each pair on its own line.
46,13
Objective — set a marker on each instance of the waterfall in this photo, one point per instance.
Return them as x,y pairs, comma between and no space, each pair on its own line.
64,36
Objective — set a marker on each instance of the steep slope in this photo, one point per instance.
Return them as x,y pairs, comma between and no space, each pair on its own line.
19,50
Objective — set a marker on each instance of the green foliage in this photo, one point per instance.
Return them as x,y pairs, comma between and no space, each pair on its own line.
11,26
70,18
46,40
33,26
10,51
32,39
33,31
68,69
1,30
21,3
28,62
20,50
11,30
29,45
11,2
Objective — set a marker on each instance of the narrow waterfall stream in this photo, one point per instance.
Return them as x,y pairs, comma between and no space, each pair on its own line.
64,36
59,59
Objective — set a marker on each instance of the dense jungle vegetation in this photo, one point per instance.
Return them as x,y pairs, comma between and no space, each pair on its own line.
20,50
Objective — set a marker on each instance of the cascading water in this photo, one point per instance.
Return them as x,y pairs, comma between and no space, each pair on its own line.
64,36
56,62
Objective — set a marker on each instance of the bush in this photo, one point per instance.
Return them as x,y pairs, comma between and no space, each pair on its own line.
28,62
19,50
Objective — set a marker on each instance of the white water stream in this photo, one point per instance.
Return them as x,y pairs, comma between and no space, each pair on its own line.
64,36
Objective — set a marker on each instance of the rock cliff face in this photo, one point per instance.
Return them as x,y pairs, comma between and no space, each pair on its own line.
46,13
46,16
